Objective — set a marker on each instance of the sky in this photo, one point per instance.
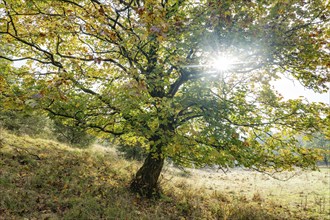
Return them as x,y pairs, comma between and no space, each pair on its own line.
292,89
288,88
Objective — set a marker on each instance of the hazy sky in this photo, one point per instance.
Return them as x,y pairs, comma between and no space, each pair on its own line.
291,89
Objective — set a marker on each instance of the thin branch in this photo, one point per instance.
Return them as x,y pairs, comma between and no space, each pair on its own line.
25,58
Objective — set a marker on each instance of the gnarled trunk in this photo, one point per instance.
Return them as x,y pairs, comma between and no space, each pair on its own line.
145,181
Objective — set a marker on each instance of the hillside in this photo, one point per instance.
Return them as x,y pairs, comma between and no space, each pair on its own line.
42,179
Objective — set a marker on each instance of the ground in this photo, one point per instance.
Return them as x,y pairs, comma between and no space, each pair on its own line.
303,192
43,179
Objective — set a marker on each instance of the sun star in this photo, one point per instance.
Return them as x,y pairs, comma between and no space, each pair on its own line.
223,63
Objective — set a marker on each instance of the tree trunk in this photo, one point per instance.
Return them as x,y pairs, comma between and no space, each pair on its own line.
145,181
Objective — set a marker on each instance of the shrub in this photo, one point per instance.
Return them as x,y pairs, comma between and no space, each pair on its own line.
132,152
67,132
29,123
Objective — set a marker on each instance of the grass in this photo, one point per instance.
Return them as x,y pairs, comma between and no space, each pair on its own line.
304,196
41,179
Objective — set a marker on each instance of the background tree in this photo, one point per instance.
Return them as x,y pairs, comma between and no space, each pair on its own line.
13,115
320,141
149,71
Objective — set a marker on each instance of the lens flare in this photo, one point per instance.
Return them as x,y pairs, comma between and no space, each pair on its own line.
223,63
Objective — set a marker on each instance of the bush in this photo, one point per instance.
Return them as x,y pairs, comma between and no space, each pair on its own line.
37,124
132,152
29,123
67,132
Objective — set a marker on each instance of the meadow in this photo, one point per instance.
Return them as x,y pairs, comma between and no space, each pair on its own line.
298,192
43,179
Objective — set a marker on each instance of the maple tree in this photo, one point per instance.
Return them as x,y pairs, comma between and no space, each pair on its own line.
145,71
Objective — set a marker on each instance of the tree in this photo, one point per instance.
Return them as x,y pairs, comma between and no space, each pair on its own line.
319,140
149,72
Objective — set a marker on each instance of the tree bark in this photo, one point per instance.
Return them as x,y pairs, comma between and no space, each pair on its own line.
145,181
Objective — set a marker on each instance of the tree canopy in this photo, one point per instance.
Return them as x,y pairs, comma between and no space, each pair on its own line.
147,72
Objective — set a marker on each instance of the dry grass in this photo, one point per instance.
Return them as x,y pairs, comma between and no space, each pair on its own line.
42,179
303,193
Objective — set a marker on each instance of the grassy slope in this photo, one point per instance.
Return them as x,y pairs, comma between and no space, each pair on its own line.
41,179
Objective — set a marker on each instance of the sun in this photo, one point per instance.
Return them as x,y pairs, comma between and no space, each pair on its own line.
223,63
